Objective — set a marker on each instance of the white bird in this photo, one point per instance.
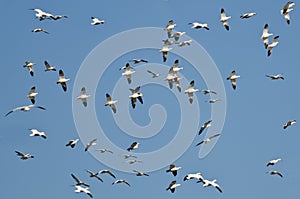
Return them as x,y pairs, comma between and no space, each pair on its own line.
165,51
265,35
154,75
126,156
134,161
136,61
208,139
91,143
83,96
135,95
110,102
173,186
273,43
128,72
79,182
41,15
273,162
25,108
191,90
177,35
224,19
197,176
275,173
49,67
57,17
138,173
204,126
233,78
62,80
247,15
72,143
108,172
40,30
96,21
104,151
169,43
133,146
176,80
211,101
31,95
184,43
207,183
121,181
175,67
274,77
94,175
197,25
173,169
80,189
208,91
169,28
24,156
35,132
286,11
289,123
29,65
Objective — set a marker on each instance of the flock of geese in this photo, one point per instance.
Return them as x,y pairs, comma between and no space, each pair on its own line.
173,38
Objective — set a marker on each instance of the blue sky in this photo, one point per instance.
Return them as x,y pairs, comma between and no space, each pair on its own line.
256,111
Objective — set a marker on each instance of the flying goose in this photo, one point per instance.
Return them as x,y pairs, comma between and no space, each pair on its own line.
197,176
247,15
233,78
197,25
133,146
208,139
275,173
126,156
173,169
104,151
35,132
204,126
40,30
273,43
273,162
83,96
274,77
169,28
41,15
265,35
72,143
212,101
111,103
29,65
134,161
184,43
121,181
208,91
24,156
94,175
175,67
165,51
154,75
135,95
173,186
190,91
49,67
224,19
31,95
108,172
286,10
25,108
138,173
86,190
177,35
79,182
128,72
91,143
62,80
289,123
96,21
207,183
57,17
136,61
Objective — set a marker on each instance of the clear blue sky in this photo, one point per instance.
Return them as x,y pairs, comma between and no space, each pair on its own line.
256,111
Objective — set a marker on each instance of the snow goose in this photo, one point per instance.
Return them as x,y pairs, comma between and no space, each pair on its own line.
24,156
197,25
273,43
108,172
86,190
247,15
96,21
31,95
83,96
273,162
94,175
49,67
128,72
233,78
207,183
289,123
62,80
35,132
204,126
265,35
173,169
224,19
275,77
286,11
275,173
121,181
111,103
24,108
29,65
135,95
72,143
190,91
173,186
91,143
79,182
208,139
154,74
40,30
133,146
